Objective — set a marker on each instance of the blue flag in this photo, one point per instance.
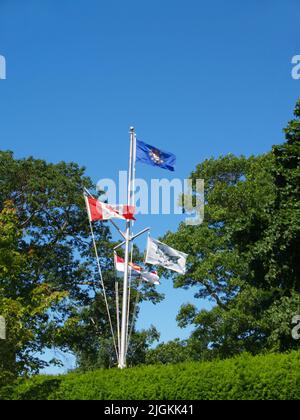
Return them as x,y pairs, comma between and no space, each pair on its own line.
153,156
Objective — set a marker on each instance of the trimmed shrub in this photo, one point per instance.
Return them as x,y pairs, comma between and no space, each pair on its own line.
269,377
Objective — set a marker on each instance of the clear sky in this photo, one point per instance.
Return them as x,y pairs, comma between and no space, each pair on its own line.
197,78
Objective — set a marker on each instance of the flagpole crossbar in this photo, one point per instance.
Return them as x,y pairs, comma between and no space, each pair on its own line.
139,234
132,238
119,245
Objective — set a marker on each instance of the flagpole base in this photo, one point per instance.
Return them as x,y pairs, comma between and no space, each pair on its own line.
121,366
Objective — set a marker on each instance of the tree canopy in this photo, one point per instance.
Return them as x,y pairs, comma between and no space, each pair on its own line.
244,257
50,292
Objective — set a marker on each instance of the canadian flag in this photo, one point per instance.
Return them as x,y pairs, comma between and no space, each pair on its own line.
136,271
102,211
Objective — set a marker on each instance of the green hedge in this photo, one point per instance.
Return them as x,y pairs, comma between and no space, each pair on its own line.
273,376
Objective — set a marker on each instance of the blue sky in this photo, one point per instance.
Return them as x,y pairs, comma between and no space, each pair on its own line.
197,78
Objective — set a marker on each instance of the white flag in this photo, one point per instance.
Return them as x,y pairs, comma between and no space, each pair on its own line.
162,254
150,277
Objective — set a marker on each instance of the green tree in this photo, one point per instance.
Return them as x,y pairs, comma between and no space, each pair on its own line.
103,355
279,247
24,314
244,256
49,278
237,193
176,351
284,232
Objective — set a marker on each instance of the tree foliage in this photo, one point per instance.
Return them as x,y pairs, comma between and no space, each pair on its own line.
50,292
176,351
244,257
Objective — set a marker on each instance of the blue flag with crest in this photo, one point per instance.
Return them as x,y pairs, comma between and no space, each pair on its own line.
155,157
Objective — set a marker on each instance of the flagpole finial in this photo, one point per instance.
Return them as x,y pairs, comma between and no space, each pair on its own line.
132,129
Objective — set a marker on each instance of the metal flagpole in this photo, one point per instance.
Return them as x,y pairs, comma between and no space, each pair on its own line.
122,361
103,289
118,314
